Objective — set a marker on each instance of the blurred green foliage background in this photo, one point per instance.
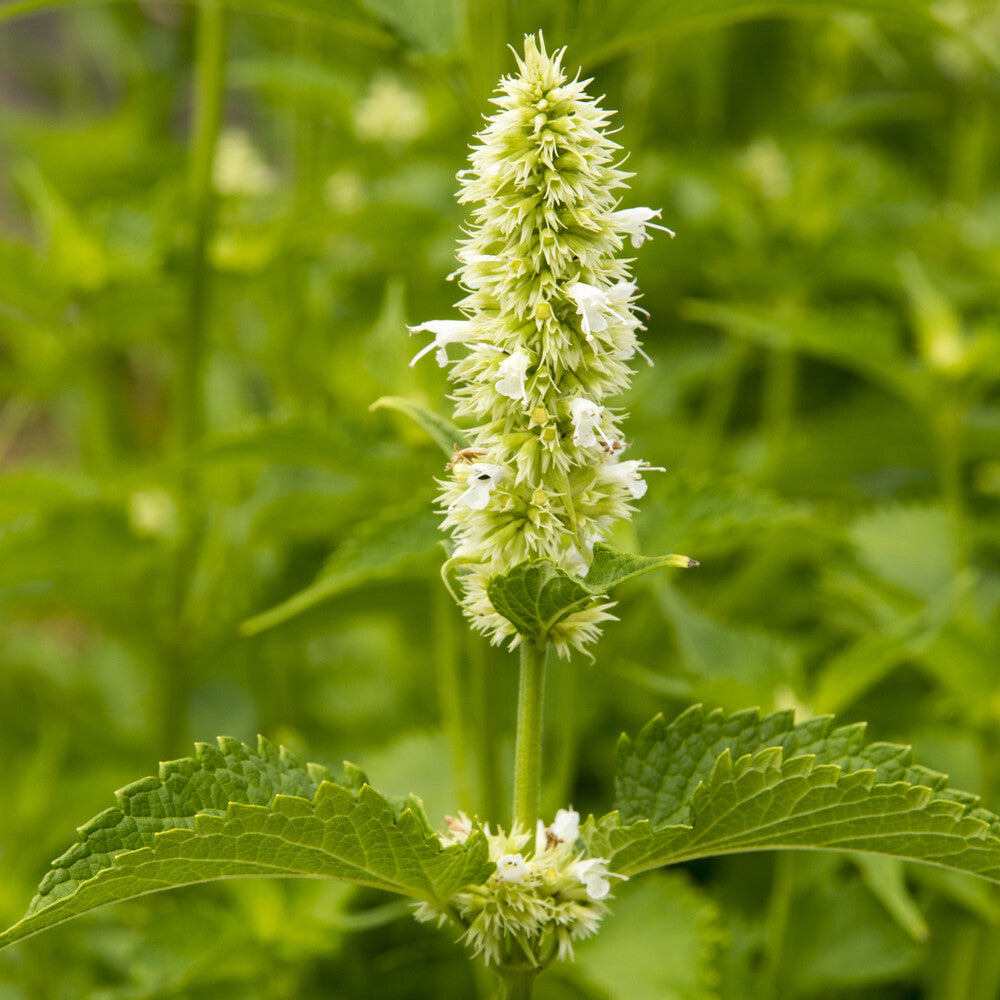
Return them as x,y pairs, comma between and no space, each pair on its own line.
214,225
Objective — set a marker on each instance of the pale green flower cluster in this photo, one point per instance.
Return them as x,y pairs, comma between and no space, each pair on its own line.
538,900
549,331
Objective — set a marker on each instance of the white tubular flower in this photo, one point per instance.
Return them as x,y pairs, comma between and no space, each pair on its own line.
446,331
512,868
635,221
513,371
587,416
482,478
565,829
594,874
628,474
459,828
591,304
566,826
545,292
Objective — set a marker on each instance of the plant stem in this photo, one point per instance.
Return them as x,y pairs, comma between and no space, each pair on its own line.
719,402
780,386
528,743
189,418
516,982
210,60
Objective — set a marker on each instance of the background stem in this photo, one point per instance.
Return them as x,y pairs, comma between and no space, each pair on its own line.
189,417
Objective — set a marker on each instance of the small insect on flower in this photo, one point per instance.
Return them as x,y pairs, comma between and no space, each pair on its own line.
464,455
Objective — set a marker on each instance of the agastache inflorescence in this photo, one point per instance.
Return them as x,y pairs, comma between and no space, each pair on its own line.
550,328
541,897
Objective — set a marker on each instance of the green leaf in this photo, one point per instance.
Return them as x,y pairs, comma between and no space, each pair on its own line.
429,25
712,784
440,430
734,666
605,30
886,880
537,594
859,340
611,567
233,812
340,17
912,547
395,543
661,945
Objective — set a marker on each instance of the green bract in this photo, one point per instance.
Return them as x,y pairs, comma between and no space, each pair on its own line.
549,331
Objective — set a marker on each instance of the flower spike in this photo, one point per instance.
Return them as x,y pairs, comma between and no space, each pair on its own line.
549,326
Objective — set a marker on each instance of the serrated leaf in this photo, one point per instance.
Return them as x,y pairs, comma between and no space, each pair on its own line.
713,784
233,812
439,429
537,594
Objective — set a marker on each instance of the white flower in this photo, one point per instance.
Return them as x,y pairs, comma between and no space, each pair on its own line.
512,372
565,829
586,416
446,331
627,473
618,300
635,221
566,825
459,828
482,478
594,875
238,168
595,305
512,868
390,113
590,304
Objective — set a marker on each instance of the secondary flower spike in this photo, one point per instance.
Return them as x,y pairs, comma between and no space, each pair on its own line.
549,326
537,902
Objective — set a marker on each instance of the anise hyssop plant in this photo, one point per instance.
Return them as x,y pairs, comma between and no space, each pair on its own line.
549,326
